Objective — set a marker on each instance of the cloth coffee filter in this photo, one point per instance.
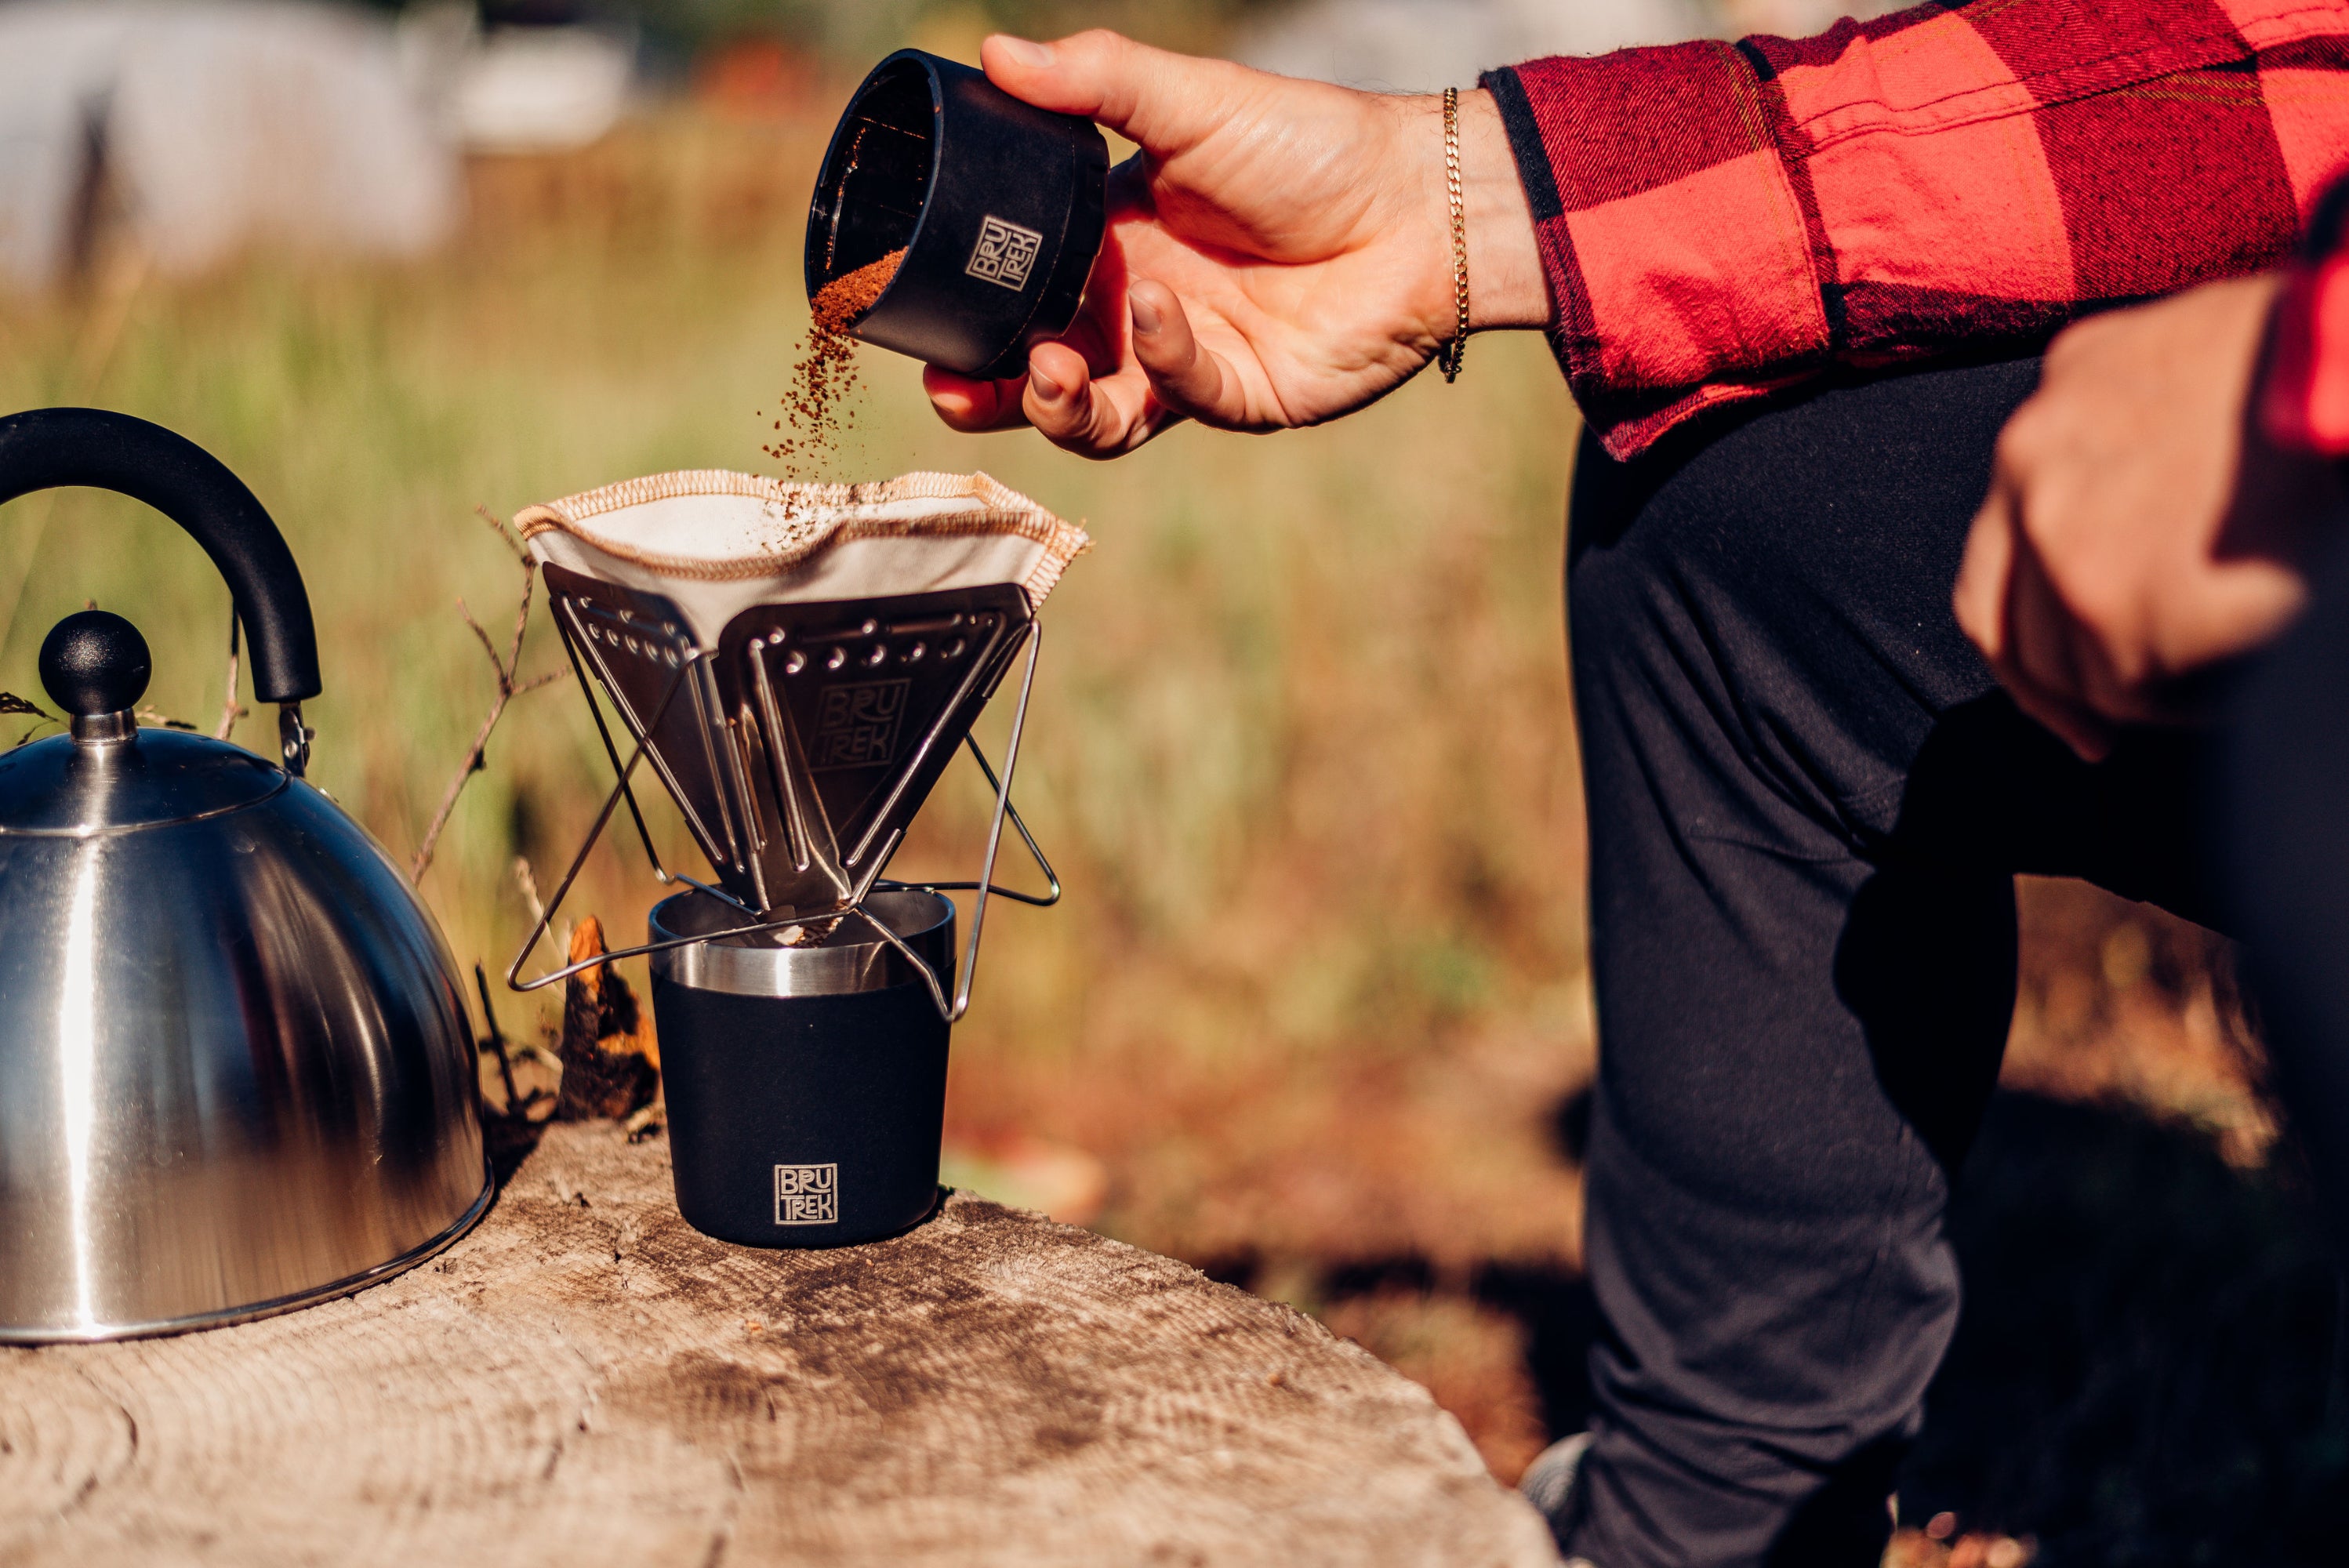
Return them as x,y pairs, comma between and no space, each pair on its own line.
716,542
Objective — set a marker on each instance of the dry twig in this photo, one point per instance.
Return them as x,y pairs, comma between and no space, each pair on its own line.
498,1042
527,880
231,710
11,702
509,687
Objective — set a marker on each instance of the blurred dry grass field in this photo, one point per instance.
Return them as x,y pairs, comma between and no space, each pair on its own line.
1301,748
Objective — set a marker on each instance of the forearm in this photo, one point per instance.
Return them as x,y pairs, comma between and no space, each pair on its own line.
1506,285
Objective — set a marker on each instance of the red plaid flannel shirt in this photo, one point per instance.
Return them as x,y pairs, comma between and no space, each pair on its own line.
1720,219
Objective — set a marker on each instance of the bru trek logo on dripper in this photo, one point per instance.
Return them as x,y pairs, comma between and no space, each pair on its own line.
858,724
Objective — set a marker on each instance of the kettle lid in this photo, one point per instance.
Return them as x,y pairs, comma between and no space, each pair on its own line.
108,775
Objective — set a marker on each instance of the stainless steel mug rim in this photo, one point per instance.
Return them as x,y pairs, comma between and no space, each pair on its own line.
842,966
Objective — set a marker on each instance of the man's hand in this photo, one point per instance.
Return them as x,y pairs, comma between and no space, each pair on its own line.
1279,253
2138,527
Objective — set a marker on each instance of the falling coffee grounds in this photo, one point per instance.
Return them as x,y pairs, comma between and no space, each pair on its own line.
815,403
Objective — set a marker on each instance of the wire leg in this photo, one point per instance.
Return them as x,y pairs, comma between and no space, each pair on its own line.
595,712
1051,877
952,1011
995,828
546,918
921,965
586,846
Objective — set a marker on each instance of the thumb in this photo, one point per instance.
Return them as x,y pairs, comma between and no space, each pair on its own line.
1161,102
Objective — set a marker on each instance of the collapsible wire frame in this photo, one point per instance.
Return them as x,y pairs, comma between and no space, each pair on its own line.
692,674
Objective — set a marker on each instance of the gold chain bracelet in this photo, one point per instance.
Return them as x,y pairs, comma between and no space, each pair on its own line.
1448,355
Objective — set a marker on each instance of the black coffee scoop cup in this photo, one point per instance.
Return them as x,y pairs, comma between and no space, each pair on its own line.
998,206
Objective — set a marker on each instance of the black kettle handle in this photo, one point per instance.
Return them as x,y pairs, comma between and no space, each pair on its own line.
45,448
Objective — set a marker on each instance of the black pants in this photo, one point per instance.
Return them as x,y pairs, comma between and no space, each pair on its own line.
1808,801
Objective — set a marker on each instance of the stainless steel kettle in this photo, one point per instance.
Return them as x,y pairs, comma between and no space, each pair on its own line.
235,1072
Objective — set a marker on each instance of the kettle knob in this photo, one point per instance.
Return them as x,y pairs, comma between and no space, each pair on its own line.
94,663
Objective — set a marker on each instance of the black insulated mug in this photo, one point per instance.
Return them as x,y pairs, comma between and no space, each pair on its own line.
806,1086
998,206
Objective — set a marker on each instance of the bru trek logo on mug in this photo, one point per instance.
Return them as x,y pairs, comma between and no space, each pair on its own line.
1005,254
807,1194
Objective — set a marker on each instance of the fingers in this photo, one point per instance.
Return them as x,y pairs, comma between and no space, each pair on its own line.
1160,100
1980,599
2006,607
974,405
2047,657
2090,736
1187,378
1171,377
1093,416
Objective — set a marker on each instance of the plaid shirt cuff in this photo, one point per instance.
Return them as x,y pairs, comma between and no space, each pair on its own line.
1679,266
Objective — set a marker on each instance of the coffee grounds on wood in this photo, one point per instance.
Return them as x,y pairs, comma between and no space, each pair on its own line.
815,403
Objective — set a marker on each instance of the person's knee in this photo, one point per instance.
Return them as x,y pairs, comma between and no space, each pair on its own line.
1793,570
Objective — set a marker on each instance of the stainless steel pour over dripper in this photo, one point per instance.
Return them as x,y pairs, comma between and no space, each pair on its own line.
799,747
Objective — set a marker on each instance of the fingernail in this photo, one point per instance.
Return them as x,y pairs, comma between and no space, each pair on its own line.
1146,318
1026,52
1045,387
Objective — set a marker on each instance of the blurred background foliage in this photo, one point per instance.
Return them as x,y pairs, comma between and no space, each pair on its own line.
1315,1015
856,32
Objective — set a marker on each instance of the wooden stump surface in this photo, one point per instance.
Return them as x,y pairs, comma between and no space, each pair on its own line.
586,1380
